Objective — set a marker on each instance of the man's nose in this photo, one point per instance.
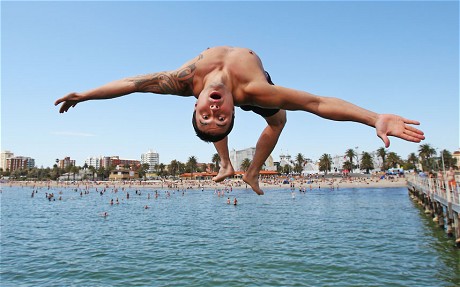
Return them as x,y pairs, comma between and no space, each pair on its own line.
214,107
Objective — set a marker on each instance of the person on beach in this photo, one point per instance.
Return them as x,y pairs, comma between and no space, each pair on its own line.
221,78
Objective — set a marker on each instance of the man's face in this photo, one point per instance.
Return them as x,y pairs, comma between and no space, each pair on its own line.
214,110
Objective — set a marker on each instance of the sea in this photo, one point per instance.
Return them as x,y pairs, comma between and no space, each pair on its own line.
193,237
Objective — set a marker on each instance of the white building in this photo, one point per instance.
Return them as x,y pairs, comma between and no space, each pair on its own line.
4,156
310,168
237,157
94,162
285,159
151,158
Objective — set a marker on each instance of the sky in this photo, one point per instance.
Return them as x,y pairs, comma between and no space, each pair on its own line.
389,57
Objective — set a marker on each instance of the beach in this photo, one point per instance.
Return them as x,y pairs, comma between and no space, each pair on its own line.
265,183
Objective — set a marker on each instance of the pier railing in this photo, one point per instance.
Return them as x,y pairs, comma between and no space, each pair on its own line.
436,189
441,199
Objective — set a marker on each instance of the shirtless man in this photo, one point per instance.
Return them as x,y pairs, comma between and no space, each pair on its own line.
221,78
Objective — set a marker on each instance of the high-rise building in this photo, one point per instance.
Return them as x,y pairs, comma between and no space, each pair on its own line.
94,162
19,162
66,162
110,161
4,156
151,158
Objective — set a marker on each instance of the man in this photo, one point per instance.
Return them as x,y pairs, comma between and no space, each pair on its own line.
451,179
224,77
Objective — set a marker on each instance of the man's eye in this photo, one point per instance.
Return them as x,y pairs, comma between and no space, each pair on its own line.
221,119
205,117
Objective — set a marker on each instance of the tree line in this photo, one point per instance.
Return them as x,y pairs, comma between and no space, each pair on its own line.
427,158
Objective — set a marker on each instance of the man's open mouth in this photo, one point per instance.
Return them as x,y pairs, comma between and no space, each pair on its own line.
215,96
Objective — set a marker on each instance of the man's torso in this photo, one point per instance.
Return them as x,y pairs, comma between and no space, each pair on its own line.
240,65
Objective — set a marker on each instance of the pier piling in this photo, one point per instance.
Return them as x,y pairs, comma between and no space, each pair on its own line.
439,200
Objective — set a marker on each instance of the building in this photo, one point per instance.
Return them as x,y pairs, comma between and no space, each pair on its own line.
237,157
123,174
285,159
456,155
19,162
151,158
117,161
95,162
66,162
4,156
110,161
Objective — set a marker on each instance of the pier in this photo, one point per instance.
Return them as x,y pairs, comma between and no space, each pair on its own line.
440,200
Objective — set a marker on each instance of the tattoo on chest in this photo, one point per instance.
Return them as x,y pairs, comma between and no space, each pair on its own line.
178,82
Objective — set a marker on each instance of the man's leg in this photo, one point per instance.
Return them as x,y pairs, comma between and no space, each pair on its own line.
265,145
226,168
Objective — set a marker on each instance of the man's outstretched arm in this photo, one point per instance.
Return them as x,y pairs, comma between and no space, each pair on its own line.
335,109
178,82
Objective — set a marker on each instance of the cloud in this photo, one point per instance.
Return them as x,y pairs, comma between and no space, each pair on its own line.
73,134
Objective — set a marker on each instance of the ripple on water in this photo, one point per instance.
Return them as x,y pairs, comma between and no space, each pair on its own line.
349,237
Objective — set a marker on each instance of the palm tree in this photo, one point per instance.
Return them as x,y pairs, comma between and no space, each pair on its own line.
74,170
143,170
449,160
216,161
173,167
101,172
393,159
412,161
348,165
245,164
93,170
350,154
299,161
325,163
382,153
366,162
426,151
192,165
161,167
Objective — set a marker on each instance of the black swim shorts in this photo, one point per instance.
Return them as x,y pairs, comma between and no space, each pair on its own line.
258,110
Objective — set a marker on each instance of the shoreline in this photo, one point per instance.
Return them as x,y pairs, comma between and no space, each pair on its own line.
265,184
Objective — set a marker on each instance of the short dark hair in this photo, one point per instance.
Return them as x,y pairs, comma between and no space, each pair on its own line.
207,137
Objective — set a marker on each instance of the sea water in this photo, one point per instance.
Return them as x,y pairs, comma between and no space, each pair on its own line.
345,237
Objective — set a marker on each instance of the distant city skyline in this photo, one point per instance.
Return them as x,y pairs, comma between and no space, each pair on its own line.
399,57
278,158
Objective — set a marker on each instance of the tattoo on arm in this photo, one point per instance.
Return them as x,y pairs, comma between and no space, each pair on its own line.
178,82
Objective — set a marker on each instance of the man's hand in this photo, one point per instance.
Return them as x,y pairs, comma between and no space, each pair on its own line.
393,125
71,100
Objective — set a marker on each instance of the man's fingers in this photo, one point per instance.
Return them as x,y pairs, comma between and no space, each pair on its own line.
412,122
58,101
414,130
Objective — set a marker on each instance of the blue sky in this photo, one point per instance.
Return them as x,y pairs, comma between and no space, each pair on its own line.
389,57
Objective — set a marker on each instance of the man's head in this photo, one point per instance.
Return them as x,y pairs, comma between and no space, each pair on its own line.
214,113
211,136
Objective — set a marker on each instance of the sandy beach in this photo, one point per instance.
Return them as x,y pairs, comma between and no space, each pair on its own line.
265,184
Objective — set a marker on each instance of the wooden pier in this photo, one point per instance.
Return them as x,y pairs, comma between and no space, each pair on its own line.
440,201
